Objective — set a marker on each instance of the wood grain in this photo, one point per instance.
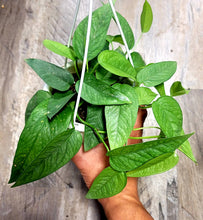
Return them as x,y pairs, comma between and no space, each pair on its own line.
176,34
190,176
24,25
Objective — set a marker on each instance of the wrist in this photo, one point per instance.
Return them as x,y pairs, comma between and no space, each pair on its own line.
125,205
128,196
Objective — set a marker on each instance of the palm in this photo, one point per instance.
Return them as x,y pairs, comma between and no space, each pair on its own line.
92,162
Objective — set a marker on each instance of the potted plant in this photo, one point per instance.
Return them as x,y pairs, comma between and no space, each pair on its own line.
115,85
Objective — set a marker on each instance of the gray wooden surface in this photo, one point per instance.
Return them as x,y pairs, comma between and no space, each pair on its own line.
176,34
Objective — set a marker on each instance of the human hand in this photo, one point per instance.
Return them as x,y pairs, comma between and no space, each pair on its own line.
126,203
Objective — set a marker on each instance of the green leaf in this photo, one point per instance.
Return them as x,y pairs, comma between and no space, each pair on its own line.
120,50
161,89
161,135
146,17
95,116
127,31
158,165
108,183
156,73
177,89
105,76
37,133
37,98
116,38
117,64
168,115
57,102
133,156
186,149
137,61
53,156
97,92
120,119
54,76
145,95
100,23
60,49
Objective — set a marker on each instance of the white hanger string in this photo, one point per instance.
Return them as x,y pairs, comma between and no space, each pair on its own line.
121,31
84,60
74,21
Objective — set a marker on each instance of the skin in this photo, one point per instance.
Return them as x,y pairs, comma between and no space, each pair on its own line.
125,205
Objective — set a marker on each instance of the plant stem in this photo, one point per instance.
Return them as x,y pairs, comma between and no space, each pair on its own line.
137,42
95,67
94,129
76,68
145,106
146,137
66,60
87,66
112,46
102,132
141,128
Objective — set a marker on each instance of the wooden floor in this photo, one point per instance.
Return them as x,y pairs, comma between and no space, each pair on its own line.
176,34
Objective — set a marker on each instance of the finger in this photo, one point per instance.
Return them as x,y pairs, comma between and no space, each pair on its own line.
91,163
141,115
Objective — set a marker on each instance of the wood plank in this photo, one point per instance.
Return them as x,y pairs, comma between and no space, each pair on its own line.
24,25
176,34
190,176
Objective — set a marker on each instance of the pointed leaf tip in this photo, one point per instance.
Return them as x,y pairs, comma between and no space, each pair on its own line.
108,183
